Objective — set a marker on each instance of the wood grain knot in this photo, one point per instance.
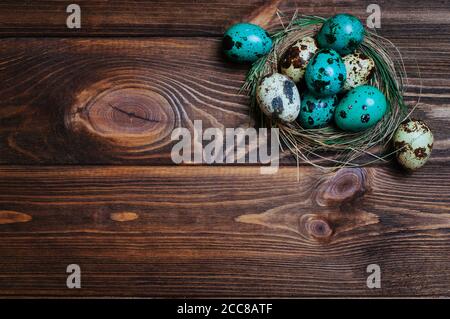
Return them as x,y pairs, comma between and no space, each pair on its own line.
124,216
319,228
264,14
12,217
314,226
132,115
345,185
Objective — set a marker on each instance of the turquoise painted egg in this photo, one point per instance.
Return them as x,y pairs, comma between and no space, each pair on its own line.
325,73
315,111
361,108
246,42
342,32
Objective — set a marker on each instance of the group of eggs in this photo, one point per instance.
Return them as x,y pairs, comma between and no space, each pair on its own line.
328,65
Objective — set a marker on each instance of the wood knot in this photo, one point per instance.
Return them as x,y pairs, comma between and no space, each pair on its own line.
345,185
130,116
264,15
316,227
123,216
12,217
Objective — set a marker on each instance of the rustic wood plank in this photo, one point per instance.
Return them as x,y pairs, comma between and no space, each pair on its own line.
106,101
48,18
103,101
204,18
223,231
128,17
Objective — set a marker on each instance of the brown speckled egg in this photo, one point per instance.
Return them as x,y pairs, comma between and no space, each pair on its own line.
278,97
413,142
296,58
359,70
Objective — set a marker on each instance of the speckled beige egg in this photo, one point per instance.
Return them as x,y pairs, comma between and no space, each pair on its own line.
413,142
359,68
278,97
296,58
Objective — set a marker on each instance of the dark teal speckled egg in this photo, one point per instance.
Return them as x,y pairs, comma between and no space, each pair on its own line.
325,73
315,111
360,108
246,42
342,33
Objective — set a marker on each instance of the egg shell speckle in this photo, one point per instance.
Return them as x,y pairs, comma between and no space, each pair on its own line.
342,32
359,69
361,108
316,112
325,73
413,142
246,42
296,58
278,97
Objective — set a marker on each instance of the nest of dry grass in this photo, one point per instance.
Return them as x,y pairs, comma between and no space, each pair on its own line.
330,147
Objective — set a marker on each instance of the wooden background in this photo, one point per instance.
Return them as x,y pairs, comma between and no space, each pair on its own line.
87,183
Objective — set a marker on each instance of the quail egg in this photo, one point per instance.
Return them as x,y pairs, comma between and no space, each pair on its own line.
413,142
278,97
296,58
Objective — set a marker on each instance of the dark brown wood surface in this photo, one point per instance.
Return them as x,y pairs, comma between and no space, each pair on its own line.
203,17
150,231
116,101
140,226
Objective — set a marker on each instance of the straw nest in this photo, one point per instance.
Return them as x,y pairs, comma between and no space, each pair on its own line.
330,147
